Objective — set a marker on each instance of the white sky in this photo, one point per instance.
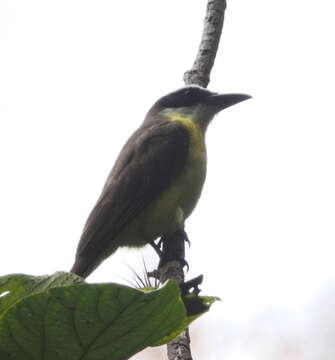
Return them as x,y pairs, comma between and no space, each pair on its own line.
77,77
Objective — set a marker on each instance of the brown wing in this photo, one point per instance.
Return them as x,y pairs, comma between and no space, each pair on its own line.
151,159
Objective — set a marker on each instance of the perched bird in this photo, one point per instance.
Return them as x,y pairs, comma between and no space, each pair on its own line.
156,180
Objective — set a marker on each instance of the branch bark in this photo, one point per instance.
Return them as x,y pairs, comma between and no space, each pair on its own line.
174,246
204,61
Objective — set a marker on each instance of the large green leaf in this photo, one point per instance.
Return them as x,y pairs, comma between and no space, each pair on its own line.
88,321
195,306
15,287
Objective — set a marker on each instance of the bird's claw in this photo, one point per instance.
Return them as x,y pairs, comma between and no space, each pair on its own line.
165,259
184,263
186,238
172,248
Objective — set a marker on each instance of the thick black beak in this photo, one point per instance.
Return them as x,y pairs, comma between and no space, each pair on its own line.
222,101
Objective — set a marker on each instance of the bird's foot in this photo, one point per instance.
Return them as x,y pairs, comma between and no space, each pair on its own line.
172,248
165,256
185,236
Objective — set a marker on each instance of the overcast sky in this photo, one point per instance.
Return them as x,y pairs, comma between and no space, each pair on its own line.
76,79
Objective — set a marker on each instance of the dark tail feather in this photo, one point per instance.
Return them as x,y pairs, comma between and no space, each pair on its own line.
86,263
83,268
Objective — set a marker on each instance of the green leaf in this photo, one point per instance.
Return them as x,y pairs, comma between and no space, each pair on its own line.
195,306
15,287
87,321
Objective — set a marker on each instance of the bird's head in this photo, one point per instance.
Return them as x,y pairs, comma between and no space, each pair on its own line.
196,103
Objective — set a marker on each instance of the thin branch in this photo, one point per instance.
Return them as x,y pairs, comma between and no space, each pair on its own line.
173,253
204,61
171,267
180,347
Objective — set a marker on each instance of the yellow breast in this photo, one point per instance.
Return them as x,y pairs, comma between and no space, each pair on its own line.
169,211
197,140
189,184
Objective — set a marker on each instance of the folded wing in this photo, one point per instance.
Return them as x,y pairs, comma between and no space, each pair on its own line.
149,162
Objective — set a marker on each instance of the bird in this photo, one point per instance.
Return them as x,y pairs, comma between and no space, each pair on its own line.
157,178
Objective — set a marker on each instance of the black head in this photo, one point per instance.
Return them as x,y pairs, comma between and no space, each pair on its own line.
193,95
184,97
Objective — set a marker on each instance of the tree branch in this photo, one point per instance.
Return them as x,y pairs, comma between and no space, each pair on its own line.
204,61
173,253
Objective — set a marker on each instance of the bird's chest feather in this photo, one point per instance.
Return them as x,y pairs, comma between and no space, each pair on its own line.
180,198
190,183
168,212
